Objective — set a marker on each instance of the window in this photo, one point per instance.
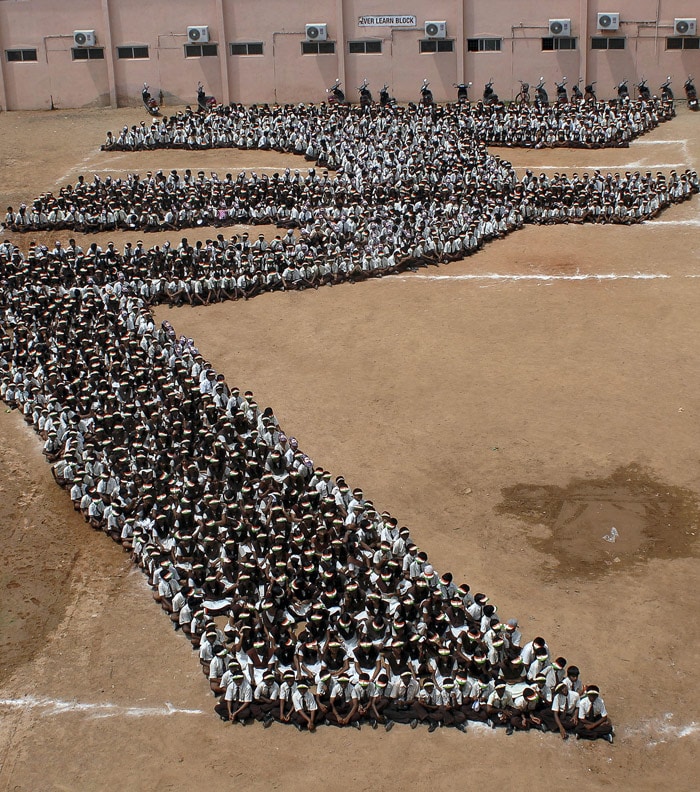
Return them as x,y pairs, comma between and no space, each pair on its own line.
90,53
201,50
484,45
608,42
683,43
132,53
246,48
16,55
364,47
317,47
437,45
558,43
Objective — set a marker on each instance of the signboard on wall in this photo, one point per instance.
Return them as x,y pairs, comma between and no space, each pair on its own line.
387,20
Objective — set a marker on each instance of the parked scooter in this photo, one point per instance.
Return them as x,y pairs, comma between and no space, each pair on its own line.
462,92
384,99
691,93
589,95
541,98
576,95
562,95
204,102
623,93
336,95
666,92
643,91
365,95
490,96
426,95
149,102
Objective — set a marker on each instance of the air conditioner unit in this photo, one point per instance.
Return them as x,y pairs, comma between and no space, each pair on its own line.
685,27
436,30
608,21
84,38
559,27
316,31
198,34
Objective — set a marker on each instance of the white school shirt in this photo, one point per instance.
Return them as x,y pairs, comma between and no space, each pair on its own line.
347,695
565,702
500,702
304,701
268,691
591,710
240,693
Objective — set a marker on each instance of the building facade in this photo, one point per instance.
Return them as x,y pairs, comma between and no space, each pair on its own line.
82,53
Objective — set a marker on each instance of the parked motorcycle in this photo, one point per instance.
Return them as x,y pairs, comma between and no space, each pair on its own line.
462,91
490,96
576,95
204,102
562,95
542,98
384,99
589,95
336,95
643,91
623,92
426,95
691,93
149,102
365,95
666,92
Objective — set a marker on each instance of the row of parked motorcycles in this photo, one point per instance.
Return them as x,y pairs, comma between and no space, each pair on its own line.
336,95
204,102
644,92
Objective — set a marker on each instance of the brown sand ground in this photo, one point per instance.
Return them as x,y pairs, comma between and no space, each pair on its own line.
510,423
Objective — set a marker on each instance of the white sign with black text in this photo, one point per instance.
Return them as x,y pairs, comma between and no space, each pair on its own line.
387,20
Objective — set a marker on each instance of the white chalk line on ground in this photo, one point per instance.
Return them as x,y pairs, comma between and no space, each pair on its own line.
657,730
606,168
661,730
691,222
680,141
76,168
495,276
95,710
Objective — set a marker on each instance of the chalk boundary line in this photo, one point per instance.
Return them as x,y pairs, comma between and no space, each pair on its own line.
496,277
95,710
658,730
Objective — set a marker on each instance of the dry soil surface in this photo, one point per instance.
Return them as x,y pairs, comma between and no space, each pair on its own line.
511,409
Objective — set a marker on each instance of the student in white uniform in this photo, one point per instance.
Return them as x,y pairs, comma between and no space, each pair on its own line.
500,706
265,703
237,699
525,712
593,721
305,707
562,715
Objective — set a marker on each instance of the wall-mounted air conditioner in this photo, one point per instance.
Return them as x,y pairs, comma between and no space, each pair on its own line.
84,38
436,30
685,27
559,27
608,21
316,31
198,34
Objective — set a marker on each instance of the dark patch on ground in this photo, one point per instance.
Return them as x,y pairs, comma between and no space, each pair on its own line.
652,520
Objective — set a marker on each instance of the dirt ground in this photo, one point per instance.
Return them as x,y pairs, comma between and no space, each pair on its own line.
511,409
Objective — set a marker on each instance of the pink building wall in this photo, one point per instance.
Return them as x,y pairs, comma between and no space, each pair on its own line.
283,74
